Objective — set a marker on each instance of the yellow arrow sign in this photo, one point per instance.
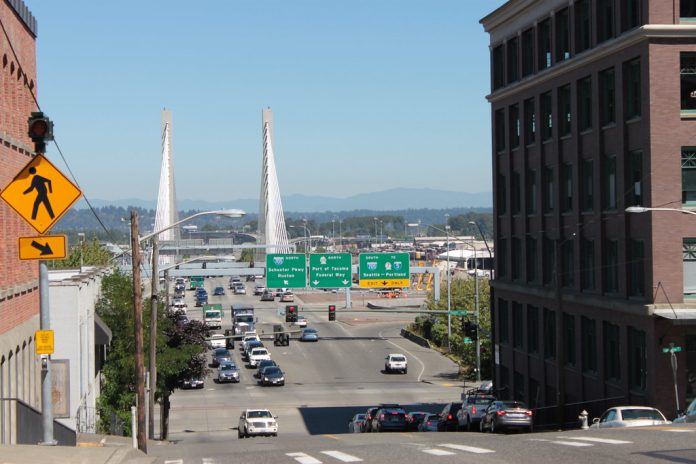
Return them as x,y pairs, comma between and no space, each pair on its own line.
45,247
40,193
384,283
44,342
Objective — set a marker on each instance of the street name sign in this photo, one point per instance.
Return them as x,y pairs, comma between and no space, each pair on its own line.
330,270
674,349
459,312
44,341
40,194
381,270
44,247
286,270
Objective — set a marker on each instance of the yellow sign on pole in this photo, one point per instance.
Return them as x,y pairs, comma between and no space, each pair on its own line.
44,341
44,247
40,193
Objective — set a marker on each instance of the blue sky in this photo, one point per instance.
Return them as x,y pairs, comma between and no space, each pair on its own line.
367,95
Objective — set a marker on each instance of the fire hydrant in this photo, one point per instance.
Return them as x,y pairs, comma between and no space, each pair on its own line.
583,420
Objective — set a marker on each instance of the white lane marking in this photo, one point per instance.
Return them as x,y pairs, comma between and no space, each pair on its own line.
470,449
178,461
342,456
680,430
438,452
209,460
608,441
210,389
404,349
570,443
303,458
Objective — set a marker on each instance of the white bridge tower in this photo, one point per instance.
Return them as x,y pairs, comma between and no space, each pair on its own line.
166,213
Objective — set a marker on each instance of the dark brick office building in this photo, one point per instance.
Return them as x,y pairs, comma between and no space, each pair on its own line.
594,110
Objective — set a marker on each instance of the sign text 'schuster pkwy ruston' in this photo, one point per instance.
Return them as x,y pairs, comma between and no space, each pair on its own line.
384,270
286,270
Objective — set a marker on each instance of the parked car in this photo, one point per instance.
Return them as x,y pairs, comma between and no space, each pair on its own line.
414,418
221,355
389,419
687,416
369,415
217,341
301,321
264,363
272,375
356,424
505,415
287,297
192,382
429,423
259,289
629,416
448,417
257,422
395,362
473,407
268,296
309,335
228,372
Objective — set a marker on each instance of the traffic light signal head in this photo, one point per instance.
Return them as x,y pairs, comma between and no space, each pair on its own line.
470,330
40,130
290,313
332,312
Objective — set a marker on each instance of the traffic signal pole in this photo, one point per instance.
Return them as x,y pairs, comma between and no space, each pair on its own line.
138,329
46,387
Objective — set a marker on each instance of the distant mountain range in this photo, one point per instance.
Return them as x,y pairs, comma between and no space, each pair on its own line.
387,200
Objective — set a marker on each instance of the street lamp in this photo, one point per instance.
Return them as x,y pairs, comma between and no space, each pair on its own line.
449,292
376,230
478,314
483,237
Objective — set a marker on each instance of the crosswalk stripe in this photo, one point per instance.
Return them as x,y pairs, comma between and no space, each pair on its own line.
608,441
342,456
303,458
177,461
571,443
438,452
470,449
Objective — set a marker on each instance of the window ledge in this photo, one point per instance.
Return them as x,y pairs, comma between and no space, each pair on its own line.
634,120
547,141
610,125
566,136
586,131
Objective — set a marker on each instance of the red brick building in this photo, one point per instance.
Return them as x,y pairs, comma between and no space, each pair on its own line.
20,374
593,110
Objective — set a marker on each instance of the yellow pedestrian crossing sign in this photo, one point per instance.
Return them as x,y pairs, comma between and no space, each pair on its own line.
40,193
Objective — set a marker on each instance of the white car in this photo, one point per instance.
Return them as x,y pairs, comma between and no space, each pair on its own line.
249,336
257,422
301,321
217,341
257,355
629,416
395,362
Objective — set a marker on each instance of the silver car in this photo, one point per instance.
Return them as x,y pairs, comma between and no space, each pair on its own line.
629,416
228,372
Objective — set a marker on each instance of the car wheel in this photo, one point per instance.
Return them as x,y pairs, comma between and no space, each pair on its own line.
405,371
481,429
493,430
530,429
468,424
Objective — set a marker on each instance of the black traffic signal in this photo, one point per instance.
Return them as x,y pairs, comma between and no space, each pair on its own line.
471,330
290,313
332,312
40,130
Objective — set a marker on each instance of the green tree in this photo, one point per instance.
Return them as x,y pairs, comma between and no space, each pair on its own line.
90,253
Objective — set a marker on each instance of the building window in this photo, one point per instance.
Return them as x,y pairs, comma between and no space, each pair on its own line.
585,104
498,67
567,187
549,261
544,44
562,35
635,160
532,329
548,189
588,336
516,193
689,265
503,323
688,171
632,89
514,126
529,122
569,338
630,14
531,191
564,110
501,262
612,356
516,258
636,268
582,25
609,182
517,325
588,265
611,266
587,185
637,362
607,98
687,77
500,130
546,116
549,334
605,20
512,60
532,260
527,52
687,9
567,264
501,195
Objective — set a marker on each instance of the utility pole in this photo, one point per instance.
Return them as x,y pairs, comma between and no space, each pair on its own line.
46,387
153,337
478,318
138,328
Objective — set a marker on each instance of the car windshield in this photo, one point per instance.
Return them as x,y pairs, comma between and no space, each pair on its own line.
480,400
221,351
514,405
641,414
360,417
254,414
228,367
258,351
273,370
398,358
212,314
309,331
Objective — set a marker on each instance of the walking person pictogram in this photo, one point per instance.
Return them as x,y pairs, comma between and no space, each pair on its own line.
43,187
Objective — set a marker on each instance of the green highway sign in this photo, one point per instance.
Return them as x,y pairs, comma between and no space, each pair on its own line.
459,313
330,270
384,270
286,270
674,349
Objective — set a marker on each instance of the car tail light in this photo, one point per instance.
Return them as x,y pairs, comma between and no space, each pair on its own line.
500,413
369,418
394,412
360,423
473,410
449,417
428,422
529,413
381,417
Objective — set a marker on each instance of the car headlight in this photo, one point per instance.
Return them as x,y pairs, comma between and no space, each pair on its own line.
265,379
282,379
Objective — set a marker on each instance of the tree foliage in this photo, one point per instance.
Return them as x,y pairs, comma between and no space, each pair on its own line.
87,253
